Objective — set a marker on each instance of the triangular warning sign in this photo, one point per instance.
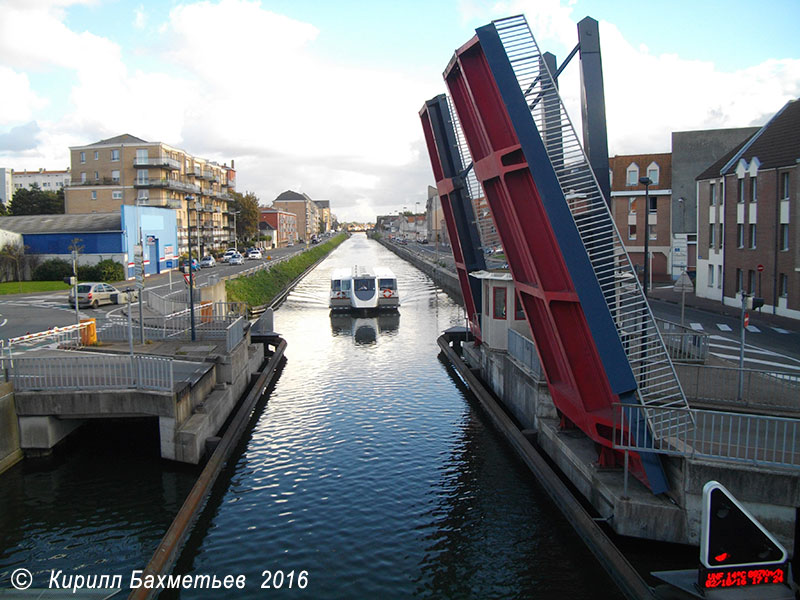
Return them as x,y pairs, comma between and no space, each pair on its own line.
731,536
187,278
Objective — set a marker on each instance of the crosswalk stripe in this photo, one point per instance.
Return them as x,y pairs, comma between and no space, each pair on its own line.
696,326
779,330
753,329
723,327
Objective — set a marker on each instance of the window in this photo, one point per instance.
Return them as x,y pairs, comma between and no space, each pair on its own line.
653,204
94,195
712,194
97,176
144,195
631,206
783,285
740,236
740,197
652,173
83,177
719,276
739,280
752,236
753,189
751,281
632,174
710,275
96,155
721,235
116,195
711,241
499,294
783,236
519,313
115,154
652,230
83,157
631,232
785,186
142,176
115,176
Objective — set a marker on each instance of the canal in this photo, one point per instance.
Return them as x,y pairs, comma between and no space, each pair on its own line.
370,471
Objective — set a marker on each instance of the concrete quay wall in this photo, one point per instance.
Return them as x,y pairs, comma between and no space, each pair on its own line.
443,276
10,452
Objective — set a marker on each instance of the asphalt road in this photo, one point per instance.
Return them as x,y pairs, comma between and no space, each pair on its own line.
28,313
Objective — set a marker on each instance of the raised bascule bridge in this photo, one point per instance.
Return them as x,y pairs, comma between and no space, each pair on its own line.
502,138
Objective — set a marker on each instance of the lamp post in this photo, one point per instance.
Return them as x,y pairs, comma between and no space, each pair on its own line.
189,199
646,182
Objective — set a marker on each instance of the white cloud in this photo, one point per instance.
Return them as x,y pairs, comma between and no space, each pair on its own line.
21,104
139,17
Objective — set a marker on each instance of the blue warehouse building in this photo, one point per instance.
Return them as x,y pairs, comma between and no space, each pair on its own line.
102,235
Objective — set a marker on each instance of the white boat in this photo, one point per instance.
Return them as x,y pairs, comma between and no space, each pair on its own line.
364,289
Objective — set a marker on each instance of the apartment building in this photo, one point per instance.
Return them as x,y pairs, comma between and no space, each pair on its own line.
324,208
305,210
634,219
126,170
281,224
48,181
748,239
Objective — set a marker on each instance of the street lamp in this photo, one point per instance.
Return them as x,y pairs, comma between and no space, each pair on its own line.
189,199
646,182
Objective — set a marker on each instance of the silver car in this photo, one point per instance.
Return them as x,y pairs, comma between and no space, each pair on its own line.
93,294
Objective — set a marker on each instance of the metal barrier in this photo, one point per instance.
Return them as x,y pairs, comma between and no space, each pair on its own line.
683,343
762,389
90,372
753,439
75,336
523,351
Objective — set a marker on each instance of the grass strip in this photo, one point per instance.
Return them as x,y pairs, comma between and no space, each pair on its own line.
27,287
261,287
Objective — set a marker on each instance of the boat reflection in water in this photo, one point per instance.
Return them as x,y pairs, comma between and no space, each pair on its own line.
365,330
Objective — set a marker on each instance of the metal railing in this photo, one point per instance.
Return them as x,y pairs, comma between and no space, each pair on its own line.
162,161
648,357
90,372
523,351
71,335
763,390
753,439
683,343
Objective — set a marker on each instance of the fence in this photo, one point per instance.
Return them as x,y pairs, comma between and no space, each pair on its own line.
683,343
762,389
90,372
523,351
754,439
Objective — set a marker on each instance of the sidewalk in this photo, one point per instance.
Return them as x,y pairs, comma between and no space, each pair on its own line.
668,294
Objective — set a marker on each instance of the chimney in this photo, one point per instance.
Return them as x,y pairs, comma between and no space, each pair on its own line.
233,165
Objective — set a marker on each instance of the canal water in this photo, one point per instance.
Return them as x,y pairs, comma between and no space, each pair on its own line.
370,472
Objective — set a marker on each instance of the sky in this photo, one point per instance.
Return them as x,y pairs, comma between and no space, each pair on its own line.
323,97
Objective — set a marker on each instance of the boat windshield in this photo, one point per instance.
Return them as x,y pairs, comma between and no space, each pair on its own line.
364,285
336,285
387,284
345,285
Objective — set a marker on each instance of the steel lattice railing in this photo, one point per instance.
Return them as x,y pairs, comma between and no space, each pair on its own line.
657,382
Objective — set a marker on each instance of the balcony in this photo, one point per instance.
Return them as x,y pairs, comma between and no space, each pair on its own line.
163,162
101,181
197,172
207,174
170,184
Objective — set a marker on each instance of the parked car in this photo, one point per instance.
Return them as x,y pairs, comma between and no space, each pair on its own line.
208,261
95,293
185,264
290,245
236,259
228,253
254,254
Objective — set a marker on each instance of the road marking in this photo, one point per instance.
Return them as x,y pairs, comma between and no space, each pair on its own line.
4,322
779,330
723,327
696,326
735,358
753,329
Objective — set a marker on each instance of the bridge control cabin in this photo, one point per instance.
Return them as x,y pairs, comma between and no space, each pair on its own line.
501,309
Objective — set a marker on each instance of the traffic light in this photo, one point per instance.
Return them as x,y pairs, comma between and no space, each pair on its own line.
754,302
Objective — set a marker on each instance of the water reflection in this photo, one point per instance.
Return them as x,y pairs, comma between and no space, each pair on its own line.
364,330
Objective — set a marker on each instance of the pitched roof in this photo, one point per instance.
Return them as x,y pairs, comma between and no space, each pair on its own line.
125,138
777,144
323,203
290,195
72,223
715,170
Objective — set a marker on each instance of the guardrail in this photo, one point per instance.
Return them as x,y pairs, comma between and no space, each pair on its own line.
754,439
762,389
683,343
90,372
523,351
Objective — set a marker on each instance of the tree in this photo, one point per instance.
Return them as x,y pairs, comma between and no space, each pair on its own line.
247,219
36,202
